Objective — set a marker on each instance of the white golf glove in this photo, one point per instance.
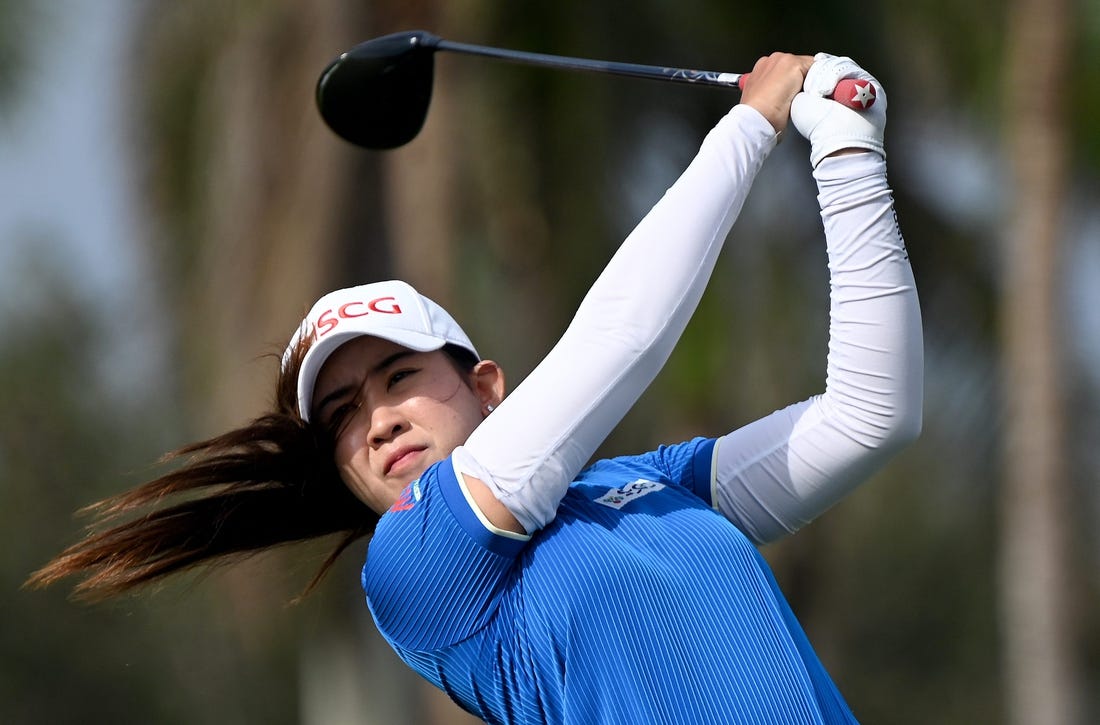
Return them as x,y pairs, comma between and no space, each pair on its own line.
828,125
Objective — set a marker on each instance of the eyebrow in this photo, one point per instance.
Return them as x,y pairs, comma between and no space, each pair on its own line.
345,389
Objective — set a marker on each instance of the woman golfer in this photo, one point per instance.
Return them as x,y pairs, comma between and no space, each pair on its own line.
531,588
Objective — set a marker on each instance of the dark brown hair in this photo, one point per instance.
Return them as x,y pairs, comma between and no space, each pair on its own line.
272,482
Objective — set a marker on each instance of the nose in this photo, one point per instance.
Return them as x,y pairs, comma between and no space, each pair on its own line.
386,423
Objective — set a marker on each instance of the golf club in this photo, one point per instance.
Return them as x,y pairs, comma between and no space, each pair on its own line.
376,95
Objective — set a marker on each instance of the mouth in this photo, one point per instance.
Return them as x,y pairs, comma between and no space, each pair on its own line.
402,460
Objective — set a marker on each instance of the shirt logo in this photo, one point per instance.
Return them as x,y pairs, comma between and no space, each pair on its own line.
408,497
616,498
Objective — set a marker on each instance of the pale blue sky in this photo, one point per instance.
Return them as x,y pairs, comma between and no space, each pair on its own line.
65,191
62,151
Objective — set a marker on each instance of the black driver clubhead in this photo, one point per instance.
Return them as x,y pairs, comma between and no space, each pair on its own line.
376,95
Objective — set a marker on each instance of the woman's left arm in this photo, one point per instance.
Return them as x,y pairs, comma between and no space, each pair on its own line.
777,474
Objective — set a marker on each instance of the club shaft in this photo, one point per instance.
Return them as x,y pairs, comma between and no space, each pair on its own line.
635,70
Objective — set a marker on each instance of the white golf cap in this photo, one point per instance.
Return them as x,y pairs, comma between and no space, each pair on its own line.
390,310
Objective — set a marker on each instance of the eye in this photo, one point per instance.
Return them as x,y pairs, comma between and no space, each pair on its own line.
339,415
398,375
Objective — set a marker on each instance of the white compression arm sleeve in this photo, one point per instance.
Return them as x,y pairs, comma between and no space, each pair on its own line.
780,472
531,447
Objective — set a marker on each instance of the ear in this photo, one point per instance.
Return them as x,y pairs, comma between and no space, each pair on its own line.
488,379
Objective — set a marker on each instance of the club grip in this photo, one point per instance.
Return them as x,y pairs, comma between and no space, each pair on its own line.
851,92
855,93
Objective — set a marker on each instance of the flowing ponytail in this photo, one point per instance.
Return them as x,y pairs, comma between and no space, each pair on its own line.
268,483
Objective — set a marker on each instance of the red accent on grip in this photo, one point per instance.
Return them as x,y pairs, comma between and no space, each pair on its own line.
855,93
850,92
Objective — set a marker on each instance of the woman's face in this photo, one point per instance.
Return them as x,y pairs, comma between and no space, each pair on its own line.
395,411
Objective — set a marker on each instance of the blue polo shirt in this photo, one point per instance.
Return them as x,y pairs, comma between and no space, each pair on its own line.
637,604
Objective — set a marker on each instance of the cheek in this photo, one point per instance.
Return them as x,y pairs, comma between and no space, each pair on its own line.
454,418
351,441
350,456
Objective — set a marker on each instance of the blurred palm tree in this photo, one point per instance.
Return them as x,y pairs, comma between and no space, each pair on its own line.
1037,591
